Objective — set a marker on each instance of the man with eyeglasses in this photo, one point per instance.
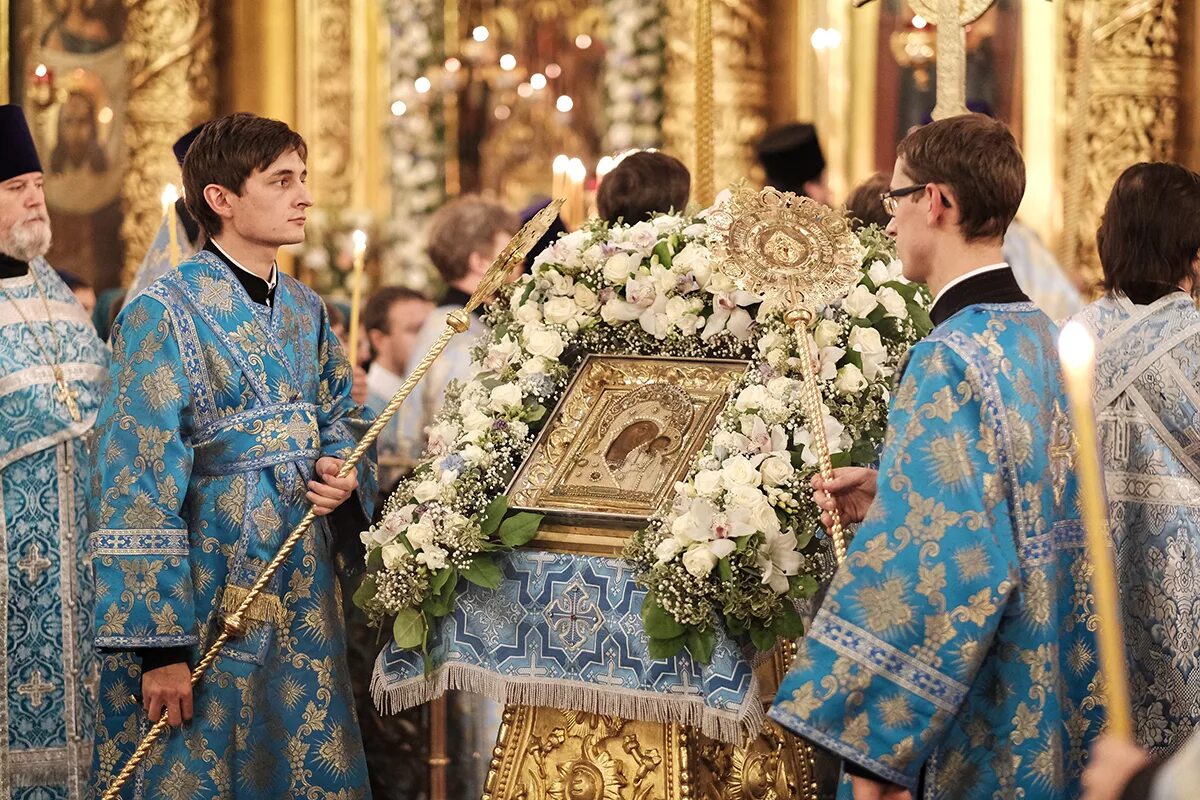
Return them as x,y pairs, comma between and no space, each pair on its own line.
952,652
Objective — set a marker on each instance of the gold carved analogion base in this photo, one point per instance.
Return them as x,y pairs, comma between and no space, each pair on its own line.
571,755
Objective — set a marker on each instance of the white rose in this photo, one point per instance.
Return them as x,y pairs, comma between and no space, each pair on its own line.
619,267
763,517
586,299
615,311
860,302
528,314
827,333
752,397
420,535
738,471
504,397
544,342
533,367
559,310
699,561
682,314
870,346
473,454
776,470
500,354
850,380
896,270
708,482
432,557
878,273
426,490
769,341
667,549
475,420
393,555
891,300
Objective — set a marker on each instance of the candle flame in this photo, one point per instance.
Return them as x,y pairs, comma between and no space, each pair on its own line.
561,162
1076,348
360,242
576,171
170,195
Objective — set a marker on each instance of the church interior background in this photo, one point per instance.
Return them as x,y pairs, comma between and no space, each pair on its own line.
405,103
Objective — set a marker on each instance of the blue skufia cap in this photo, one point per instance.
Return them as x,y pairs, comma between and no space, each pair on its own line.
182,144
18,155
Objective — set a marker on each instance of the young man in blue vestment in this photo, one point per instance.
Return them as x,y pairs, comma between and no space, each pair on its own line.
952,653
229,413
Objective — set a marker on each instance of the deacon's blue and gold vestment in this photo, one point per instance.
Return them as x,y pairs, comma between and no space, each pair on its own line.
47,666
219,409
1148,411
952,647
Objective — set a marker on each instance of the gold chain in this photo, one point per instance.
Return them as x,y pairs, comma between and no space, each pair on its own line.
63,391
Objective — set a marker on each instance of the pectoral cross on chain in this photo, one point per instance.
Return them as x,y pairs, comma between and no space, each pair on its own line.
64,394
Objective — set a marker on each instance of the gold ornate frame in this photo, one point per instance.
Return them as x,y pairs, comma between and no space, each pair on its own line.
599,520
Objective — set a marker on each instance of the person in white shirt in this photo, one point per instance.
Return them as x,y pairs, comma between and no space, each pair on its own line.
392,319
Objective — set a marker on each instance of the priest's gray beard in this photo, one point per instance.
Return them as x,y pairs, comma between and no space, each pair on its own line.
28,239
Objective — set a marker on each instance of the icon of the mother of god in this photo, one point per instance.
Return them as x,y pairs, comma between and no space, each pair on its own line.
635,442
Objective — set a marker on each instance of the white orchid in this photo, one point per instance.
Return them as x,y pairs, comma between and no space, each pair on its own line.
778,560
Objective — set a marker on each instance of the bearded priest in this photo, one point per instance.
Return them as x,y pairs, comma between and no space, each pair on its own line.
52,372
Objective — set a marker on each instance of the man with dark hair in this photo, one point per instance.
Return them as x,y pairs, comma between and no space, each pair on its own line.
229,413
1147,402
792,158
953,646
641,185
864,206
392,319
52,373
465,236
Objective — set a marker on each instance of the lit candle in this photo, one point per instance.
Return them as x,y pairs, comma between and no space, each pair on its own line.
576,175
169,196
559,186
1077,350
360,260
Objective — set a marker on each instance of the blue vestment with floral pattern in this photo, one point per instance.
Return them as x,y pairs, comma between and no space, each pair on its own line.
47,665
218,411
1148,412
953,646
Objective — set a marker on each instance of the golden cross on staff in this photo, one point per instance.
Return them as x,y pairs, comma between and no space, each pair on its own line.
951,18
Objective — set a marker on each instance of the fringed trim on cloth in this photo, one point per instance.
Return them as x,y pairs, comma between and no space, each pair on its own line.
729,727
265,608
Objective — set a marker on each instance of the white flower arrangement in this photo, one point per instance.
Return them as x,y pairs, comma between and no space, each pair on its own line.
634,69
741,538
417,140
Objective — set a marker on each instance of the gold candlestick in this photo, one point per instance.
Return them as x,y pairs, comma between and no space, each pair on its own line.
360,260
169,196
1077,350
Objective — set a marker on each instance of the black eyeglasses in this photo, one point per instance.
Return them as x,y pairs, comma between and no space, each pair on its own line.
891,199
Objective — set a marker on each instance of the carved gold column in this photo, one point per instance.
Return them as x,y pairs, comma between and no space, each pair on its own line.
169,49
1122,75
325,96
740,84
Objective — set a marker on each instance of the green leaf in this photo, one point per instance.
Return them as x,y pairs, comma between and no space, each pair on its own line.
494,514
482,571
724,571
439,579
659,624
803,585
906,290
920,318
700,645
409,629
875,316
520,529
663,251
763,639
667,648
375,559
788,625
743,542
853,357
839,460
534,413
798,459
365,591
863,453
